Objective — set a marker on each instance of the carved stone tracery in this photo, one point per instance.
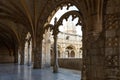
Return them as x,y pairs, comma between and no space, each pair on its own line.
112,67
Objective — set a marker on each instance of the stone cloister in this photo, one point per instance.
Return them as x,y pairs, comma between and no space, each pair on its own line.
27,21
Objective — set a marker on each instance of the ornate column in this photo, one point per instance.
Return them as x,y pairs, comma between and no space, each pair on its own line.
55,33
22,47
37,52
93,58
37,59
93,45
55,65
32,55
21,51
46,57
112,52
16,54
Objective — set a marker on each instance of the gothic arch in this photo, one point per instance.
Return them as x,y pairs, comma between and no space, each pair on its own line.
74,15
67,3
58,46
70,50
72,46
61,4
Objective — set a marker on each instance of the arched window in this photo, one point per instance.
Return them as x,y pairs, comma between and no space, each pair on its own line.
72,53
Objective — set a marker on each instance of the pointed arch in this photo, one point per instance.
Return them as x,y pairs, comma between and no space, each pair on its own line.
59,6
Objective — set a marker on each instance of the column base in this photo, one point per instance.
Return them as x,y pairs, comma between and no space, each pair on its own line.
37,66
21,63
55,69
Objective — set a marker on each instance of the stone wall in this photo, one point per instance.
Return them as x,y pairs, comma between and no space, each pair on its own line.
112,40
6,56
6,59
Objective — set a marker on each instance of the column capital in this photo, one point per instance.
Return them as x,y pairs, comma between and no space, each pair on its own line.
55,28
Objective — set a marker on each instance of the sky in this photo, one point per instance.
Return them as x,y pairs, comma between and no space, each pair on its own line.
60,12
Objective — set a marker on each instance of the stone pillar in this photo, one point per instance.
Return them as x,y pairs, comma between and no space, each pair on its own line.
93,56
22,57
28,52
55,64
55,33
32,56
112,58
93,45
16,54
37,62
47,56
112,41
16,58
21,52
37,51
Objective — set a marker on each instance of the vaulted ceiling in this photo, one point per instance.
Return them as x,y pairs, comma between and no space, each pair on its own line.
22,16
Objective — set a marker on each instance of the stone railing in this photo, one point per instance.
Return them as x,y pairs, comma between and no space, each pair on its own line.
70,63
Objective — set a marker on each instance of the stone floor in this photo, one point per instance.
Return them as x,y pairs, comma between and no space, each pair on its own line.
18,72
